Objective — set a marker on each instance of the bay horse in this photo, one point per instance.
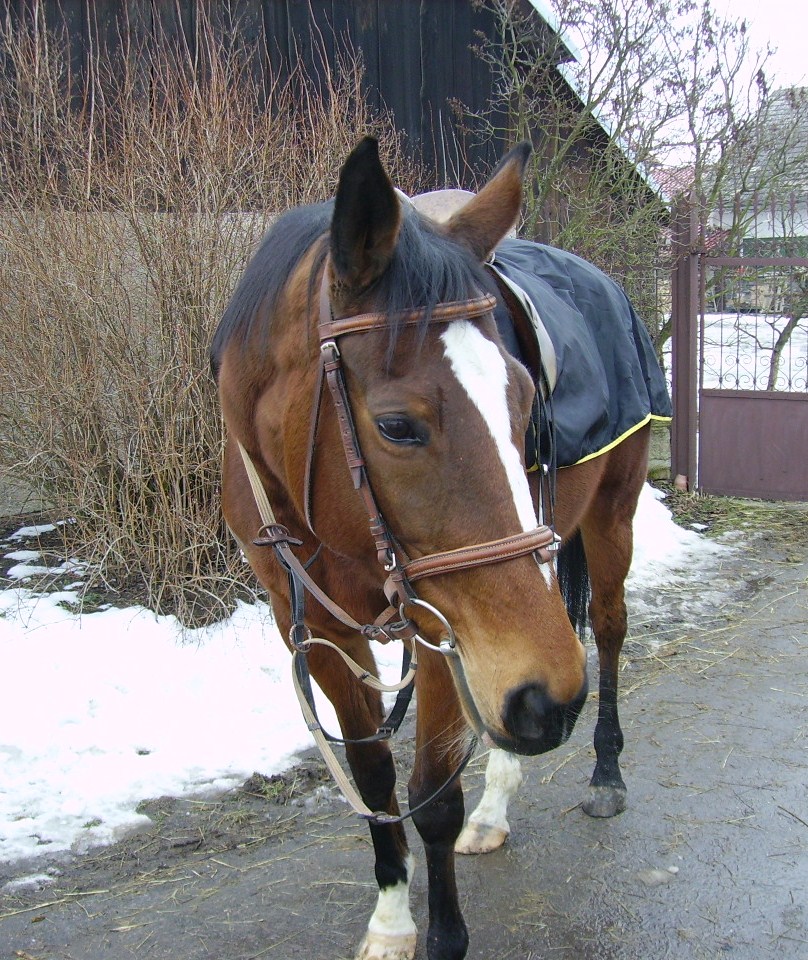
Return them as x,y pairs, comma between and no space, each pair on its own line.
392,314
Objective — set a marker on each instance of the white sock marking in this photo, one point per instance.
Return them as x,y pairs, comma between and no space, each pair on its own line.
392,917
502,778
480,369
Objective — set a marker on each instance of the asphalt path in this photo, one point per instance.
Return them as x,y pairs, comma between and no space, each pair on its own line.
710,860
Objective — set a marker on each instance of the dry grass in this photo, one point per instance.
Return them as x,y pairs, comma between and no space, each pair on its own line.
126,215
721,515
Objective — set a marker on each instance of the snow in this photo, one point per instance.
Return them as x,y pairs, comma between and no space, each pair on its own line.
102,711
738,351
661,548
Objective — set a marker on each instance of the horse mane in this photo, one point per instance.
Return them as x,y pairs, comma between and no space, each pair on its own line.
265,276
427,268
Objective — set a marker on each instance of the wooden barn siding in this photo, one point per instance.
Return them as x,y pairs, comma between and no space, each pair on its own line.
417,54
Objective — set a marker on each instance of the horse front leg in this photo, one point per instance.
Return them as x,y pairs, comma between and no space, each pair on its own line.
441,731
488,828
391,932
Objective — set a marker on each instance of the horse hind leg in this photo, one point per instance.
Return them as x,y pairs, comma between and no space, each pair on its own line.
607,790
608,541
488,828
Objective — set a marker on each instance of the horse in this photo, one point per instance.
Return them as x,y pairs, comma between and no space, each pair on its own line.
406,508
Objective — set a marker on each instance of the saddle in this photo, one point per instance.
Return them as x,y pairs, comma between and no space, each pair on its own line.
528,339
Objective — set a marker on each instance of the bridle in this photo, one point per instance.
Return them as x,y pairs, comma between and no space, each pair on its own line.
541,540
401,571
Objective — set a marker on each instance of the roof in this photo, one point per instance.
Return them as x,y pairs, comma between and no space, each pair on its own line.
577,56
674,181
548,15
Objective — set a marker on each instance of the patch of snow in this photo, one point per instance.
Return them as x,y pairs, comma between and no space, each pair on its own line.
662,546
25,570
102,711
25,533
28,884
22,555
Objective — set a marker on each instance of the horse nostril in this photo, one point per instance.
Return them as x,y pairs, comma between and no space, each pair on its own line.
527,711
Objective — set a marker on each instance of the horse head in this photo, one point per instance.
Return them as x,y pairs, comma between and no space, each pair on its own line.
440,411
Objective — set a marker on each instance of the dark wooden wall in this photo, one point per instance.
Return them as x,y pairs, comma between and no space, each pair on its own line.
418,54
418,57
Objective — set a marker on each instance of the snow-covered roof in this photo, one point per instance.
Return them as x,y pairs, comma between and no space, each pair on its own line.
547,14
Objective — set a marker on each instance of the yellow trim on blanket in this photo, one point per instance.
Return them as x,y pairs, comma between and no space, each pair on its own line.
620,439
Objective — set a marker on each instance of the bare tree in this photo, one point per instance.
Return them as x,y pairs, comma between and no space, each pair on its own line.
615,91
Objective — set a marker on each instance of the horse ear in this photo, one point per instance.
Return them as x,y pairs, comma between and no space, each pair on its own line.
486,219
367,216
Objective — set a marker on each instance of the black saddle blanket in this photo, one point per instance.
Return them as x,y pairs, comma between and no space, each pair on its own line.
609,380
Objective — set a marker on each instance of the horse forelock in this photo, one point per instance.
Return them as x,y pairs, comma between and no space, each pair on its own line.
427,268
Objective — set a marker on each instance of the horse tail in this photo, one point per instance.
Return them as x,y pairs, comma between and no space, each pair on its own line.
573,579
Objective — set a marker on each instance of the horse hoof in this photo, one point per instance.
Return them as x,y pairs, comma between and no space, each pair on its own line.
605,801
480,838
384,946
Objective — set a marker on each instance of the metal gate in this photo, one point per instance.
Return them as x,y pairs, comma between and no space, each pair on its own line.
740,360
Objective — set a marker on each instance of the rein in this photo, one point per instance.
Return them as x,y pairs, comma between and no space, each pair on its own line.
393,623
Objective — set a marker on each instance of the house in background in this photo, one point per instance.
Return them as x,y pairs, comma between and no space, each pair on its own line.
759,209
763,212
768,180
421,60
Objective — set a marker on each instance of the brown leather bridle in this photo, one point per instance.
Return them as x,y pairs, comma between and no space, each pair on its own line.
402,572
541,541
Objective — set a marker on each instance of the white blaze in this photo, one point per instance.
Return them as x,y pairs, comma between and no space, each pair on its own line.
480,369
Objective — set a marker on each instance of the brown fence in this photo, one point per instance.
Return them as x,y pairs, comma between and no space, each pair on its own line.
740,349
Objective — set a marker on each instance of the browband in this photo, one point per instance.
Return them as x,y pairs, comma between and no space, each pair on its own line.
330,329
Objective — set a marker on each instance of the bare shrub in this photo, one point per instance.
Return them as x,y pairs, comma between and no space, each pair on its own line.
127,212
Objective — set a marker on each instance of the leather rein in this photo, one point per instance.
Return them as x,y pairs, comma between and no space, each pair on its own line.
393,623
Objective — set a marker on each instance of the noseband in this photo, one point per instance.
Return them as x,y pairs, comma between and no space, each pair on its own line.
393,623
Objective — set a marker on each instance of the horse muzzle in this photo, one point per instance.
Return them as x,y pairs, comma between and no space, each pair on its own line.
534,722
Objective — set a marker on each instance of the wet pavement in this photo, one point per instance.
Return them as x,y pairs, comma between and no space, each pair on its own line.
710,860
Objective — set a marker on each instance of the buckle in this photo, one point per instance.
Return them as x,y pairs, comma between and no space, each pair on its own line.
275,533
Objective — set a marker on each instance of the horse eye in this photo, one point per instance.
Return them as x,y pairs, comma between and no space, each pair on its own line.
399,430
